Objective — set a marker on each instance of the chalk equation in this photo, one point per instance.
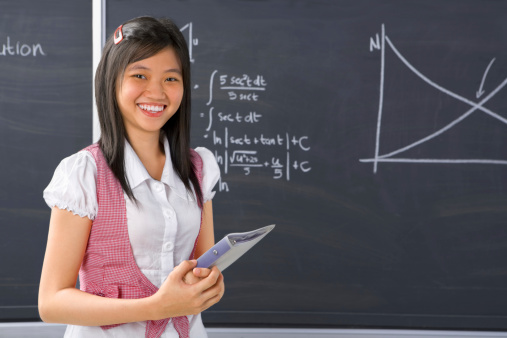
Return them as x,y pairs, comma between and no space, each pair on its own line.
242,88
235,137
247,158
381,43
236,134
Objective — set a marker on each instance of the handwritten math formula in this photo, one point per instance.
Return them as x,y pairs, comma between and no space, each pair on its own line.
235,116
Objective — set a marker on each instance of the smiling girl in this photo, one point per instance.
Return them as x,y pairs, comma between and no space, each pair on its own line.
130,212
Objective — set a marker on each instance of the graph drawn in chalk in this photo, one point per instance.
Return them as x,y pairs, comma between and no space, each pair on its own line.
381,43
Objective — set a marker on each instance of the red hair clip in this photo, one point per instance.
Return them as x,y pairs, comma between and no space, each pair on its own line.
118,35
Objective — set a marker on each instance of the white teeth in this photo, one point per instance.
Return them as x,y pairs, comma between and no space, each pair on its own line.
151,108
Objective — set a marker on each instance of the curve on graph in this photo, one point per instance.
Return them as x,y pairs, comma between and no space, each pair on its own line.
475,106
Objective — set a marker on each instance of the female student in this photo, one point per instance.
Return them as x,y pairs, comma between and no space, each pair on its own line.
130,212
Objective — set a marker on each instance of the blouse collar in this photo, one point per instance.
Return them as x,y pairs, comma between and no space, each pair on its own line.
136,172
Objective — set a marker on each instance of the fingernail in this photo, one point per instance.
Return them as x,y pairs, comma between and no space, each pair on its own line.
197,271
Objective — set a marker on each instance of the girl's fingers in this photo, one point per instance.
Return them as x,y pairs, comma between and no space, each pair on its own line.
213,295
181,270
210,280
217,290
201,272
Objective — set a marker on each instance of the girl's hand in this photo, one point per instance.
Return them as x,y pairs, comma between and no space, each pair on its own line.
177,298
196,275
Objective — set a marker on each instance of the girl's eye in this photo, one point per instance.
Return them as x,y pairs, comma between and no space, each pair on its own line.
171,79
139,76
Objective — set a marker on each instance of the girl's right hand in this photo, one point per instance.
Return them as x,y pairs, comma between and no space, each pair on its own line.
177,298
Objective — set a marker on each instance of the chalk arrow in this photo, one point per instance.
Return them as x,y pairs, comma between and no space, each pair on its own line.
481,91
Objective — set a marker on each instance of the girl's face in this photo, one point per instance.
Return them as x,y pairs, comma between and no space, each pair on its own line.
150,92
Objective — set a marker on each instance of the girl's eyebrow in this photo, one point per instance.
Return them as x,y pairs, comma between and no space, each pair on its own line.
141,67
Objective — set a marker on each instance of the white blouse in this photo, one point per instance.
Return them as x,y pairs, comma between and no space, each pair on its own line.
162,228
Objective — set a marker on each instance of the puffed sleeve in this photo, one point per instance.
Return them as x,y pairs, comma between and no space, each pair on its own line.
210,173
73,186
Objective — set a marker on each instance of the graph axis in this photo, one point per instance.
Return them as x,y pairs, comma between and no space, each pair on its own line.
475,106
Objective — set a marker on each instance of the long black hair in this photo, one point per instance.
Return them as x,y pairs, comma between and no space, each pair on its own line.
143,37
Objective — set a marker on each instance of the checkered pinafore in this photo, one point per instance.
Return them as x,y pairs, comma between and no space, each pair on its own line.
109,268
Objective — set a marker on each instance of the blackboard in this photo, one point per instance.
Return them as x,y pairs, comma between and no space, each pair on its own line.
289,95
371,132
45,115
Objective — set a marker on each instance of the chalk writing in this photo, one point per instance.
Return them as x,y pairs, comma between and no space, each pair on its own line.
239,88
238,141
381,43
191,40
245,149
20,49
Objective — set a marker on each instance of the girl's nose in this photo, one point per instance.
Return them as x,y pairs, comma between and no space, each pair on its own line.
155,90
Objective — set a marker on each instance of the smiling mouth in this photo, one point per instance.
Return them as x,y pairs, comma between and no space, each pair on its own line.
150,108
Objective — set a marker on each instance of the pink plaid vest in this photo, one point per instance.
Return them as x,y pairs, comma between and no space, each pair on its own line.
109,268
